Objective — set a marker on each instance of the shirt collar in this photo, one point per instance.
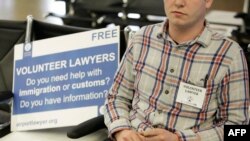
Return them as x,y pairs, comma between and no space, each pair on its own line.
204,38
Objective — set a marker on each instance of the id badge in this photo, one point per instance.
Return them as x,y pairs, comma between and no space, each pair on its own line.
191,95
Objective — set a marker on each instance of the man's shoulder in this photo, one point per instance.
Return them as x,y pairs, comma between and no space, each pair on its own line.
218,37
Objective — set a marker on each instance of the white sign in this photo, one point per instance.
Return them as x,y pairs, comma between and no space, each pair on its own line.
191,95
63,81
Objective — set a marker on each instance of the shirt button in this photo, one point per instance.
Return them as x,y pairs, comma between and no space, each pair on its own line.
166,91
155,126
160,111
159,36
171,70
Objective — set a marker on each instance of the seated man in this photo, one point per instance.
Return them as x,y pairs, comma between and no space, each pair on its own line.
178,80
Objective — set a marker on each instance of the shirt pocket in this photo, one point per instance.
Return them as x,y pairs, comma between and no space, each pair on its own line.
201,79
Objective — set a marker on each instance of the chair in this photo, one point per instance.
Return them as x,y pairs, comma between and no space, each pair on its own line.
84,13
12,32
243,37
98,13
42,30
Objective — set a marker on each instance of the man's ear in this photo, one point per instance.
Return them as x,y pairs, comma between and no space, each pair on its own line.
208,3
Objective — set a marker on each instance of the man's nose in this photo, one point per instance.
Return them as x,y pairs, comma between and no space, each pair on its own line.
180,3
